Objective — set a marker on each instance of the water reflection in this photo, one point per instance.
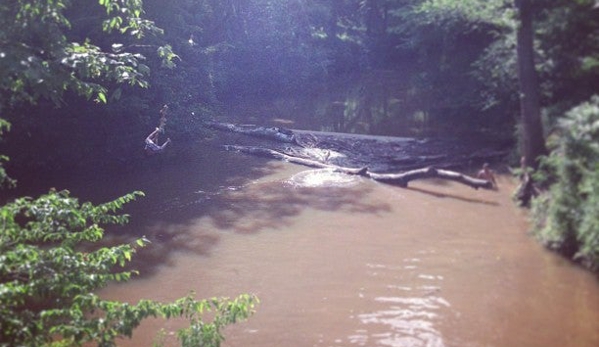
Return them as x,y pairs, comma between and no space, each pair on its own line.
260,206
377,103
408,315
322,178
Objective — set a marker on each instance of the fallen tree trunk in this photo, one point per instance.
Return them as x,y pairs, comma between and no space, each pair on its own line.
379,153
399,179
265,152
402,179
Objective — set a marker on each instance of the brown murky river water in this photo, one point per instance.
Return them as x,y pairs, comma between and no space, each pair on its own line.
345,261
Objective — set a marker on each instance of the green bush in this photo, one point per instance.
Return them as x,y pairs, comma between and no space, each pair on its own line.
47,279
568,219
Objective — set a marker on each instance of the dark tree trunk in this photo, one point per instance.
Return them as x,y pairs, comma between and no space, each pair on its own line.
533,142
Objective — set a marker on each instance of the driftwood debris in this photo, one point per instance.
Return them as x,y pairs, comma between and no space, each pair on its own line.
399,179
421,166
273,133
402,179
270,153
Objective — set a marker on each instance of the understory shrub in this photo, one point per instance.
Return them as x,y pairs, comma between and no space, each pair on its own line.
567,218
48,280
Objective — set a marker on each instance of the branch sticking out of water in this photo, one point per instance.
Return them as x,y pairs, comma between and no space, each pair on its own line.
399,179
402,179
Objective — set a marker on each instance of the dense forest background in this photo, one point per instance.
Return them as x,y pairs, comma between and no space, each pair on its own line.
454,63
82,83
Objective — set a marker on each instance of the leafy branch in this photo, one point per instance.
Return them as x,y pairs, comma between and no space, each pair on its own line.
47,279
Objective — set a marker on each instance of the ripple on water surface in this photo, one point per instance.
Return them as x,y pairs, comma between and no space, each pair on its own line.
407,313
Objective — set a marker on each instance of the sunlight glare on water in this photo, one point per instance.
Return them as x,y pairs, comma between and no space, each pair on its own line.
322,178
408,313
410,321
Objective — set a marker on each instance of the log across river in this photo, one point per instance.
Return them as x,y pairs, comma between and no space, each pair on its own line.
314,149
400,179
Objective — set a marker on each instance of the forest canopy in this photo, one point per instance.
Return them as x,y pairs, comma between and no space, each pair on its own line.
455,62
89,76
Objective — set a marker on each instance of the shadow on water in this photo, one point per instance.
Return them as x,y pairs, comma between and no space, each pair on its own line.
177,193
453,196
210,190
187,207
275,202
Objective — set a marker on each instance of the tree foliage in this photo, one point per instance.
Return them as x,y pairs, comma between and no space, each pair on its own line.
560,41
568,33
50,262
48,279
39,57
5,180
499,13
567,218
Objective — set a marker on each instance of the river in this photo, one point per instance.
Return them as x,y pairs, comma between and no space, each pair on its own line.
340,260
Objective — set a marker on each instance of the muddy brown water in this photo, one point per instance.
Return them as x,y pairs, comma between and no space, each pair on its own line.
345,261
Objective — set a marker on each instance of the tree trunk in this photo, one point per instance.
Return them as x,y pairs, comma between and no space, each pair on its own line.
398,179
533,142
402,179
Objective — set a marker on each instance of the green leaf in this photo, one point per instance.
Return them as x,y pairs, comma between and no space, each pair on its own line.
101,97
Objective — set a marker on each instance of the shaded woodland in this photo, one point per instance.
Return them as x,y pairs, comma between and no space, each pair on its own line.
82,83
454,64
